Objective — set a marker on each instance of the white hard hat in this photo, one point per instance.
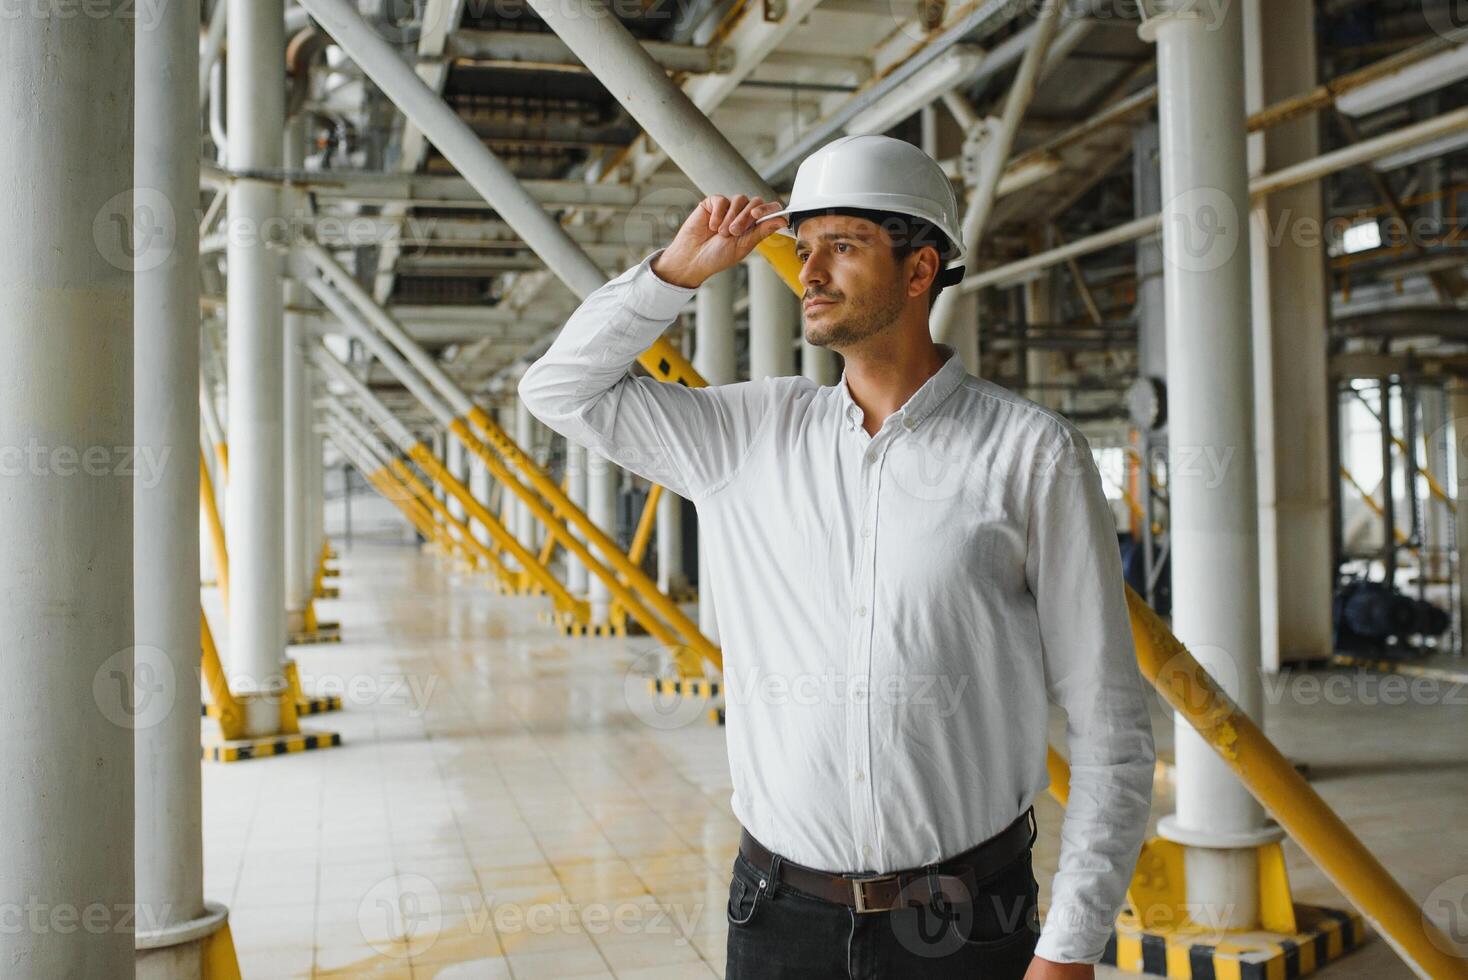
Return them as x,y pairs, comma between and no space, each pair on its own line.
878,173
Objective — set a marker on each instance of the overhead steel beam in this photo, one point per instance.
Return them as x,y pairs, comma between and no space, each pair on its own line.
547,49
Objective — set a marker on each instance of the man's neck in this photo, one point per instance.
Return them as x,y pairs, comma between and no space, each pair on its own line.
882,374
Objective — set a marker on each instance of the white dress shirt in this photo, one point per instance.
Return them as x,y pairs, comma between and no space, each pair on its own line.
894,609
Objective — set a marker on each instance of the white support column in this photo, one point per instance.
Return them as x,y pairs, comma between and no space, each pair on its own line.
1457,394
256,520
479,484
819,364
577,489
965,334
457,462
1215,515
774,317
714,359
525,522
66,509
298,412
168,844
1438,518
671,578
1289,315
602,477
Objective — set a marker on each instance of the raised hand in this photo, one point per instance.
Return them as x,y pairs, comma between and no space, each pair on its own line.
720,232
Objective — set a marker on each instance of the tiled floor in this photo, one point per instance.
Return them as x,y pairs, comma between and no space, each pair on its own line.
504,806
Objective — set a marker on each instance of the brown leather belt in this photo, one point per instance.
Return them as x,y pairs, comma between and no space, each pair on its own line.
956,878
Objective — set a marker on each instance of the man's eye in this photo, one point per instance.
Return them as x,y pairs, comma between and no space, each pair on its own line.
802,256
841,247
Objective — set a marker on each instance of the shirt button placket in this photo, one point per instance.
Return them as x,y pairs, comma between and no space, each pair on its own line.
866,599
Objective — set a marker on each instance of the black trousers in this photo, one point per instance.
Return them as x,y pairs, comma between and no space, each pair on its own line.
777,932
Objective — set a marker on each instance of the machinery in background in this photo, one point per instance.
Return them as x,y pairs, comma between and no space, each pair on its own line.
1373,617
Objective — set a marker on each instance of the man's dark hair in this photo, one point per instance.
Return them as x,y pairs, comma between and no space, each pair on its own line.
908,234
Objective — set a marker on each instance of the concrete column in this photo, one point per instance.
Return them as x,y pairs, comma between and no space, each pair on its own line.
965,338
1043,367
713,358
457,462
1214,490
576,489
671,578
1439,521
298,411
256,519
479,484
1458,407
66,524
601,506
774,318
168,843
819,364
1151,304
525,437
1287,258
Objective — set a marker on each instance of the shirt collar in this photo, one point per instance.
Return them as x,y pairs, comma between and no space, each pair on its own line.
922,403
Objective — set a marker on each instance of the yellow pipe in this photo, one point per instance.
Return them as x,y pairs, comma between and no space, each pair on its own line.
1311,823
221,453
681,625
389,487
438,473
230,715
465,542
210,505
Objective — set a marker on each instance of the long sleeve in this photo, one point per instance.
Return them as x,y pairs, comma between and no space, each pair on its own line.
690,440
1074,570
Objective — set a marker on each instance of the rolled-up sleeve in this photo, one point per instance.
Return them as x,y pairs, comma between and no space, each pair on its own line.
1074,571
690,440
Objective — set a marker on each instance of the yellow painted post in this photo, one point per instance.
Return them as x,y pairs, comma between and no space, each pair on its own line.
465,541
683,635
640,538
209,504
230,715
1292,801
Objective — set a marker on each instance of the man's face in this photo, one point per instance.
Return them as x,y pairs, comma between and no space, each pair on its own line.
854,285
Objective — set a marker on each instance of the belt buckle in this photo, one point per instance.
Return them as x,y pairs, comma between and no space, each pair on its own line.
859,891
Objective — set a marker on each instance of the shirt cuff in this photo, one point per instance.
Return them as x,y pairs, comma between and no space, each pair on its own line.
1066,937
653,298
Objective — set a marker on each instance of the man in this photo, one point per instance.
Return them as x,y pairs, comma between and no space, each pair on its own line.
905,566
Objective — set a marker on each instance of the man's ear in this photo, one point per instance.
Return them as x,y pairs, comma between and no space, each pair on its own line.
925,268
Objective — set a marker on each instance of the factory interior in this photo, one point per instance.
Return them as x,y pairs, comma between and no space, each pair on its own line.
334,661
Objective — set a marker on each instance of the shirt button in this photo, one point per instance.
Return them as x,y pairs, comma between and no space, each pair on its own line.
860,775
866,850
861,610
866,532
872,456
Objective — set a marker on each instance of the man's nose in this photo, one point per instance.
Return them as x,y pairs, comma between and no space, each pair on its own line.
813,272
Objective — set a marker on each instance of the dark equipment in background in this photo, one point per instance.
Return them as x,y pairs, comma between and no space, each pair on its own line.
1371,617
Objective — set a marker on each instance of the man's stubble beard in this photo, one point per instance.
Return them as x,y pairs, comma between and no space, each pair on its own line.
876,312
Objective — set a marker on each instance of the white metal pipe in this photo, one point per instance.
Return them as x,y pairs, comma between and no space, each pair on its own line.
773,320
458,144
1321,166
577,575
982,195
1210,375
66,525
818,363
256,520
336,371
168,846
670,118
211,45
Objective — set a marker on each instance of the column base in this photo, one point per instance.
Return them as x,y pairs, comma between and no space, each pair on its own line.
241,749
1323,934
201,949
